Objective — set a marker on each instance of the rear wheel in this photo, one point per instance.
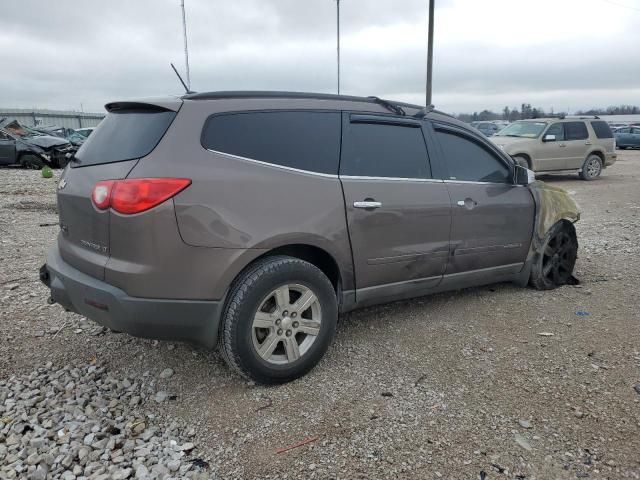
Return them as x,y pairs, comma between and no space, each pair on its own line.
553,264
31,161
279,320
592,168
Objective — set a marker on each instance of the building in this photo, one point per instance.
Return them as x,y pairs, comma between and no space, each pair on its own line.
67,119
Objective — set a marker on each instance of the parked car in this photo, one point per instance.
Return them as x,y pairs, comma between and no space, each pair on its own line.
488,129
627,137
75,138
19,146
560,145
85,132
252,219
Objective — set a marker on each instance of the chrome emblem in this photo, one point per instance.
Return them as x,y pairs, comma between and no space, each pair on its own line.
62,184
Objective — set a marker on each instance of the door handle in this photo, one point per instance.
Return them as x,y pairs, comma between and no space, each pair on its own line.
562,145
367,204
468,203
587,143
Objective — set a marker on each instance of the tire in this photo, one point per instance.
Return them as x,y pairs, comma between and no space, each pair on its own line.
592,168
31,161
265,353
522,161
553,264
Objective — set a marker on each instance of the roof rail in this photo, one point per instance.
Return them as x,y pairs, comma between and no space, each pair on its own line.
279,94
583,117
424,111
388,105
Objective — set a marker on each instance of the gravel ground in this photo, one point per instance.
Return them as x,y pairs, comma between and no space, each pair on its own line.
492,382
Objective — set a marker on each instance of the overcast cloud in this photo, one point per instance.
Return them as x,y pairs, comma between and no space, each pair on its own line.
488,54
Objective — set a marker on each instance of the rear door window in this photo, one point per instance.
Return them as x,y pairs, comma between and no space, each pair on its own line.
376,149
575,131
602,129
125,135
468,160
303,140
556,129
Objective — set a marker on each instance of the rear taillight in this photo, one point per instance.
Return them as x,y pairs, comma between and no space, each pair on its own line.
101,195
136,195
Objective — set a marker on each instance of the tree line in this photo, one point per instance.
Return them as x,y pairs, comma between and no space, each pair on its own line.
527,111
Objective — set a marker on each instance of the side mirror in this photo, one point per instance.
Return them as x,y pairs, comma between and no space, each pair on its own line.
523,176
549,138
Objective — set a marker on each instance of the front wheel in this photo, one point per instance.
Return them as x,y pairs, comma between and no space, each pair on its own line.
279,320
522,161
31,161
592,168
553,264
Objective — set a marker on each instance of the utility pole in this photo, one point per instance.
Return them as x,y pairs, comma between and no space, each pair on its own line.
338,42
430,53
186,48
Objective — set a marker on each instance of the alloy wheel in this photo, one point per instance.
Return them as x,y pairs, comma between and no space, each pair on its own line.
286,324
594,167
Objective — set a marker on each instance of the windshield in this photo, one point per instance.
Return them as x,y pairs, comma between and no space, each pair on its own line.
523,129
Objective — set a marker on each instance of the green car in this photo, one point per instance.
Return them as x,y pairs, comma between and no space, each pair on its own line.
628,137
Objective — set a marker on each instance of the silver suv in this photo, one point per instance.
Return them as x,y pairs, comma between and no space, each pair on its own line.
583,145
252,219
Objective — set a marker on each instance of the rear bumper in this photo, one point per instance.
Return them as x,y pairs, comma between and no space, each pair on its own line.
184,320
610,159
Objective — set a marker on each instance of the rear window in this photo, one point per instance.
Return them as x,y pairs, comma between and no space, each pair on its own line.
602,129
304,140
124,135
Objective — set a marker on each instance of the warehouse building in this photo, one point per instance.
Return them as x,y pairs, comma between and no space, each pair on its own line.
59,118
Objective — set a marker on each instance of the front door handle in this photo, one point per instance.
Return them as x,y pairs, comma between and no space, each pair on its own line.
562,145
468,203
367,204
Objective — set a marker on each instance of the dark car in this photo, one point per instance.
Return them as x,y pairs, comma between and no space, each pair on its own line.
627,137
251,220
33,150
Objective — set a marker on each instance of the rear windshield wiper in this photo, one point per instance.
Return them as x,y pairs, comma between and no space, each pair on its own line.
389,106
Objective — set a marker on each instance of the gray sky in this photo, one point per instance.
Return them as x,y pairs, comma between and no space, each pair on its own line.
551,53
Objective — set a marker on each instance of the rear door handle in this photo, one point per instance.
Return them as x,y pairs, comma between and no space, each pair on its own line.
562,145
367,204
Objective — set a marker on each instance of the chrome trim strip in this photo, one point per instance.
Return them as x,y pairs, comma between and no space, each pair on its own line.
274,165
401,179
477,183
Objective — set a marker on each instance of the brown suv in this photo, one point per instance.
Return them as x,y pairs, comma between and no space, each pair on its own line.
252,219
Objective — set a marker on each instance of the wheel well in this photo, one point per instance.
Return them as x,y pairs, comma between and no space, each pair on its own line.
599,154
525,156
314,255
569,226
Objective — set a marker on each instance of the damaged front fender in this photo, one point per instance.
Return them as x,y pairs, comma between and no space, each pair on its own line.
553,204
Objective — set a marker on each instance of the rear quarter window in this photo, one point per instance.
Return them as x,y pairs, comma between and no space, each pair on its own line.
125,135
304,140
602,129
